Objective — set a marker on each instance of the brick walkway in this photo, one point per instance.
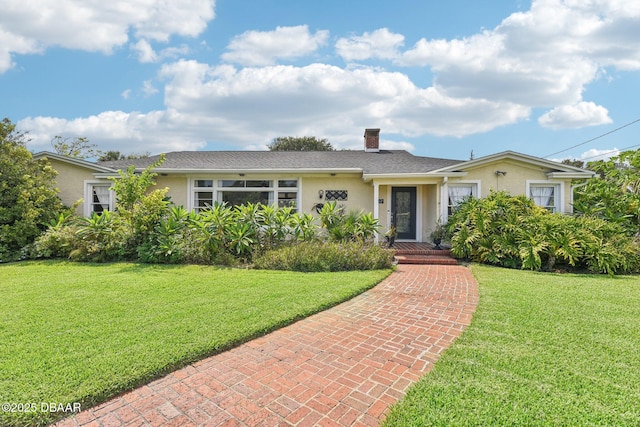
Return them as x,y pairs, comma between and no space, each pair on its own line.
341,367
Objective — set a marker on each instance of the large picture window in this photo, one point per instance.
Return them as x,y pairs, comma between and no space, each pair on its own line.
234,192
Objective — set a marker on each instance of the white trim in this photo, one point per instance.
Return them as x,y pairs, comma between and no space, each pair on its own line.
558,185
88,195
418,211
73,161
217,190
444,194
376,207
269,171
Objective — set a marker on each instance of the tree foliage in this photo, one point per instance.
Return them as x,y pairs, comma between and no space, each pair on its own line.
304,143
28,198
105,156
615,194
79,148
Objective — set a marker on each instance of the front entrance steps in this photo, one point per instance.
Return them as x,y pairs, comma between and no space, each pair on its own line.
422,253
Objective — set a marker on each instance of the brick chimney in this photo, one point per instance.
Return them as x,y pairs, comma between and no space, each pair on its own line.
372,140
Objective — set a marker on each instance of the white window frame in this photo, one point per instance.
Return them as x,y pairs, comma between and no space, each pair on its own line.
193,189
475,193
217,189
558,193
88,195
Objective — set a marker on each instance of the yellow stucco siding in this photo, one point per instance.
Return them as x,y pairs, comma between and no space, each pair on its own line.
515,180
177,188
70,182
431,210
360,194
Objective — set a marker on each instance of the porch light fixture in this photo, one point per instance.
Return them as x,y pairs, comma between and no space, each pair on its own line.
320,194
503,173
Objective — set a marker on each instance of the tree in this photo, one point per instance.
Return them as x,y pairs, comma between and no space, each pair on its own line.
79,148
574,162
106,156
304,143
28,198
615,195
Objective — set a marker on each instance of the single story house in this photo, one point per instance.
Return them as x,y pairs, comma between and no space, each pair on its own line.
411,192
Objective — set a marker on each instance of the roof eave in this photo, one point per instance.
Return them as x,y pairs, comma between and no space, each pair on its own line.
435,174
538,161
572,175
253,171
71,160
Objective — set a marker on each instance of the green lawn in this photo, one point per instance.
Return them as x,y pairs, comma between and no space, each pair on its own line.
542,349
84,332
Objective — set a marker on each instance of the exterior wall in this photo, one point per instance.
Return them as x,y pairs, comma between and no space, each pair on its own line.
515,181
360,194
178,188
431,210
384,208
70,181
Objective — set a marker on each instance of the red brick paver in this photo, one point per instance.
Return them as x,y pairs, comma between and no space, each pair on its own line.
341,367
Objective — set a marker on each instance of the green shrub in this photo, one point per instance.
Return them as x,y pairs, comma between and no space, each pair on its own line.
331,256
510,231
57,243
344,226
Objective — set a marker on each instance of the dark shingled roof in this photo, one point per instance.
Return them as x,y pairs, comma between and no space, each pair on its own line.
383,162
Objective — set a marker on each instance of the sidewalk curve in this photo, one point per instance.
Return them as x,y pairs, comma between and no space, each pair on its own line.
342,367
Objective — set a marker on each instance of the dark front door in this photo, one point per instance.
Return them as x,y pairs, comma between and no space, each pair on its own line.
403,209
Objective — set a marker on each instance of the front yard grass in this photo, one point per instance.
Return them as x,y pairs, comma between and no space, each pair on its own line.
542,349
85,332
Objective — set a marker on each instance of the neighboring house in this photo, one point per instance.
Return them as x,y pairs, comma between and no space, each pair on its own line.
411,192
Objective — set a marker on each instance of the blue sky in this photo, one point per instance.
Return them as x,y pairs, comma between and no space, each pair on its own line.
440,79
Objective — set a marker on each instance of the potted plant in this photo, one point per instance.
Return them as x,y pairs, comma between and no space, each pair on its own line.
438,233
390,236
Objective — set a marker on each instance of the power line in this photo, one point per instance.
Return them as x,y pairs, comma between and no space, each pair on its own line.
593,139
611,152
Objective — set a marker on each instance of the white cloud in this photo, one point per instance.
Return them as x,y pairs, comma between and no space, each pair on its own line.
148,89
381,44
541,57
255,48
266,102
144,51
28,27
595,154
575,116
248,107
116,130
126,93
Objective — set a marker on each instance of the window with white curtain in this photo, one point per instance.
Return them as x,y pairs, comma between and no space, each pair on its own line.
458,193
545,195
100,198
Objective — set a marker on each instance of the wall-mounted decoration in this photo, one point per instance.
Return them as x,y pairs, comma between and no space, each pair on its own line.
338,195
